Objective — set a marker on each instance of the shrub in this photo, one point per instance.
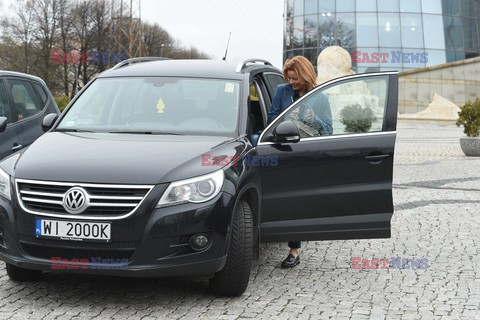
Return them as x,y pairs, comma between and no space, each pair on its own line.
469,118
357,119
62,101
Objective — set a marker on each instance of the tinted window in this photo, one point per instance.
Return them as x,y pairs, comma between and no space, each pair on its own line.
41,92
4,107
273,80
176,105
352,106
25,99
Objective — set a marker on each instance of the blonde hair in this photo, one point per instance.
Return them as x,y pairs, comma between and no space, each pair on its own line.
304,69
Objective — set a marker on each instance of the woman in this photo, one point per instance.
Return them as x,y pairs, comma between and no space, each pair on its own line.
300,76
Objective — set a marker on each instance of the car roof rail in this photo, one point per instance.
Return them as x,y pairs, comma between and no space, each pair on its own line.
137,60
243,64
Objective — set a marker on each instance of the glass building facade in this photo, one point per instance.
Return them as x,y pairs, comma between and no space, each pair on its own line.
384,34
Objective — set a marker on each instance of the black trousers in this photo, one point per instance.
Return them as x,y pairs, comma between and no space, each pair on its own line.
295,244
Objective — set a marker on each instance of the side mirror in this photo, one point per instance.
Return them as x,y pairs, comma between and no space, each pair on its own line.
48,121
285,132
3,124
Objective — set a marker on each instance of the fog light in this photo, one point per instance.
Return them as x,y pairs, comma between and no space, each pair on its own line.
199,241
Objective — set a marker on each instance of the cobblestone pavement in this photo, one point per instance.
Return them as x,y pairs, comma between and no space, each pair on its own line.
437,217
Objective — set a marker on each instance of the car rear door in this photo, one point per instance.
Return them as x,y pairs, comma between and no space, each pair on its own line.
10,139
30,108
337,185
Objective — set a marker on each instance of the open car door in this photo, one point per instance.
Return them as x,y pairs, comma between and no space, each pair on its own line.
335,181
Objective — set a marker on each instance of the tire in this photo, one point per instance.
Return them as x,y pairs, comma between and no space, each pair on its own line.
233,279
20,274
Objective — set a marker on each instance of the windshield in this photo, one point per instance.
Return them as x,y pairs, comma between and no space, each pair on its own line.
156,105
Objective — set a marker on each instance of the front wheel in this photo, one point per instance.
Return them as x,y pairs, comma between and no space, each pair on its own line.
233,279
20,274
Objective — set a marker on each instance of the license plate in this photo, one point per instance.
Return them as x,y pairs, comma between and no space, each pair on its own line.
72,230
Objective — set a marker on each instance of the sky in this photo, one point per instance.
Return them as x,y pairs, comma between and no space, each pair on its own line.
256,26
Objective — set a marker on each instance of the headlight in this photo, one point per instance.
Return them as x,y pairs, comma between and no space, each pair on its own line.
5,185
196,190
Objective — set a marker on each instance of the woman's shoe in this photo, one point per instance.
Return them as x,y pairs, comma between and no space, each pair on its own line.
291,261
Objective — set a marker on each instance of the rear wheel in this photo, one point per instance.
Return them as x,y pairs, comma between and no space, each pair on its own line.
20,274
233,279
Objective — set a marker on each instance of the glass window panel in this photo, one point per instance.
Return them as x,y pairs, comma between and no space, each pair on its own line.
450,7
5,110
41,92
349,107
412,33
432,6
360,69
326,6
367,34
25,100
326,30
366,5
312,55
345,5
288,25
389,29
453,32
345,31
467,8
298,32
298,8
388,5
455,56
409,6
433,25
310,28
469,54
311,6
436,57
470,34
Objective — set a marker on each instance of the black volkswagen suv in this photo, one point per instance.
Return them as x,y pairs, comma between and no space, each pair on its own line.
168,167
24,102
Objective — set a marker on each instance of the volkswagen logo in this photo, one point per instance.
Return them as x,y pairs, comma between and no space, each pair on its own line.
75,200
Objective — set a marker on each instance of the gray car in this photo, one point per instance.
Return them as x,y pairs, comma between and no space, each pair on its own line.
24,101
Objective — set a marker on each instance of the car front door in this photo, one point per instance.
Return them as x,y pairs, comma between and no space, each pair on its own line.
10,138
336,181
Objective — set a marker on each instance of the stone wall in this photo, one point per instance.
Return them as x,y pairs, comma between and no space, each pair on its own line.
456,81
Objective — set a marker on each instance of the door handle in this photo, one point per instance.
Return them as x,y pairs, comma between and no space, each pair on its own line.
16,147
377,159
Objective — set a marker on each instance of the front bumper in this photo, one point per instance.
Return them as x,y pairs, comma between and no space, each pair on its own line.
153,242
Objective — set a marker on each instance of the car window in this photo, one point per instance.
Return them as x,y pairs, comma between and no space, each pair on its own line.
158,104
349,107
25,99
272,81
5,110
41,92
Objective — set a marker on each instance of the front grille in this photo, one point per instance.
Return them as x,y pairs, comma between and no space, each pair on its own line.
45,252
105,201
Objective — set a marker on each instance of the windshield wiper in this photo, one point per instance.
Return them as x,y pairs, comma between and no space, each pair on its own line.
148,132
72,130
